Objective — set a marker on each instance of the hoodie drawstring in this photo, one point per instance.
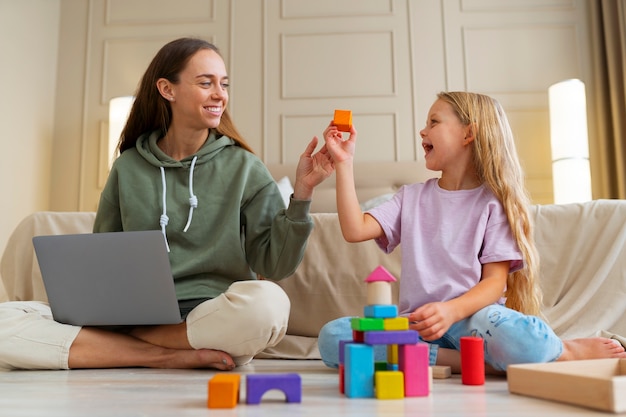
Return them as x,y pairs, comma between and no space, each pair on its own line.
164,220
193,201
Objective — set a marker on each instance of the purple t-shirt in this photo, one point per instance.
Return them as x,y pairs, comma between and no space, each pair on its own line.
446,237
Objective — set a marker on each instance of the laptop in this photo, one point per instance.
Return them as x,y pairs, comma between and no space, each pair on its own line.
108,279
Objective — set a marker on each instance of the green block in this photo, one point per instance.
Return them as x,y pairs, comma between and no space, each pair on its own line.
366,323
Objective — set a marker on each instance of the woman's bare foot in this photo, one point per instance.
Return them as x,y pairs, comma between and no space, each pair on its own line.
201,358
591,348
97,348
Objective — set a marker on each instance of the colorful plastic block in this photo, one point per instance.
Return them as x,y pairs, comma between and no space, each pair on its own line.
343,120
358,336
378,311
379,287
367,323
396,323
259,384
359,371
392,337
380,274
472,361
389,385
392,354
223,391
413,362
342,349
342,377
441,371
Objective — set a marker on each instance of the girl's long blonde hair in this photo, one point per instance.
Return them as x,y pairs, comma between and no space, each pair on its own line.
497,165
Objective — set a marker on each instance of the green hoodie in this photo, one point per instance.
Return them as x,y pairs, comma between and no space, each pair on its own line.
240,225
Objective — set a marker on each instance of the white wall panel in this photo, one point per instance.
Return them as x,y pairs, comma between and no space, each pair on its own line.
159,11
293,62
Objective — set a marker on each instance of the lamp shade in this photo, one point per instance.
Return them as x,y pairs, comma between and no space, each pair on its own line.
569,141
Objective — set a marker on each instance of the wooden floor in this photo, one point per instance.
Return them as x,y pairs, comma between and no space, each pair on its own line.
176,393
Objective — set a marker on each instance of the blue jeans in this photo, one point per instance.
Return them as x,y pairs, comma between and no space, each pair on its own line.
510,337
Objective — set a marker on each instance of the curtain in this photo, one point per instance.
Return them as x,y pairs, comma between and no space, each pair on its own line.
608,95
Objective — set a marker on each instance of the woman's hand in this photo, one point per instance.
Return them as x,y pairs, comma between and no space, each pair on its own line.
313,168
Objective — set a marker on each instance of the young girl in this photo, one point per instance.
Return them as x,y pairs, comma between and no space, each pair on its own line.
469,265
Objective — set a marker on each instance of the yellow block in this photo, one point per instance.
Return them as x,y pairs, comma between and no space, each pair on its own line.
223,391
389,385
392,354
397,323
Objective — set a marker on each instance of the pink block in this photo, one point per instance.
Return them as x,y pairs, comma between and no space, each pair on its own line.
413,361
380,274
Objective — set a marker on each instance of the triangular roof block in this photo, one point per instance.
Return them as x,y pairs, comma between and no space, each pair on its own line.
380,274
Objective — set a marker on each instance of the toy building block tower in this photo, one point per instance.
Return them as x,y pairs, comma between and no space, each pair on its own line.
405,372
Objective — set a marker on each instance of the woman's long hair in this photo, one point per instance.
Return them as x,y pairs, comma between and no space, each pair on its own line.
151,111
497,165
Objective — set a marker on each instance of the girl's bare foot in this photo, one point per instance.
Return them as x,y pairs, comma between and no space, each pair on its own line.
591,348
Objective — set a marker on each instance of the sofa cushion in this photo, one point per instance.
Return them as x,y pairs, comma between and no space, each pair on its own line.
582,247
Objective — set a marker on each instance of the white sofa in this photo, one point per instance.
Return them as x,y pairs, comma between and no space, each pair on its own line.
583,271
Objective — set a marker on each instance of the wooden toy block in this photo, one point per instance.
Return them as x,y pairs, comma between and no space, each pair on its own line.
367,323
223,391
343,120
380,273
359,371
413,362
441,372
342,349
342,375
389,385
378,311
392,337
259,384
358,336
393,367
596,383
392,354
396,323
379,289
380,366
472,361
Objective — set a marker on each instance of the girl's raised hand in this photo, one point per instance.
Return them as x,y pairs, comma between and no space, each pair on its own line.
339,148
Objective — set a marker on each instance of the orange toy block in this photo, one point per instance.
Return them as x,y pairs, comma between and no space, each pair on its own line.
343,120
224,391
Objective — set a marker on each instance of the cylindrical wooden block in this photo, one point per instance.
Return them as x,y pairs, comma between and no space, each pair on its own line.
472,361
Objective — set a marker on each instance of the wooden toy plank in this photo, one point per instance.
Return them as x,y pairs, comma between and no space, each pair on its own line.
392,337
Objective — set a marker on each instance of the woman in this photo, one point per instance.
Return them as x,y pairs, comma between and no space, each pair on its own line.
185,169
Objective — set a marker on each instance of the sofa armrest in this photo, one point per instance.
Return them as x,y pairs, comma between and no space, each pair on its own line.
19,268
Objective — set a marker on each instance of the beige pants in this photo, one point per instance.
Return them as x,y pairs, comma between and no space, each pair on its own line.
249,317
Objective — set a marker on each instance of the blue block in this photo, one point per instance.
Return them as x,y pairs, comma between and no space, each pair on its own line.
381,311
359,371
392,337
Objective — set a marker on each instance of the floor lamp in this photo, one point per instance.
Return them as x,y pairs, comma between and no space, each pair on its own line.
119,108
571,174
